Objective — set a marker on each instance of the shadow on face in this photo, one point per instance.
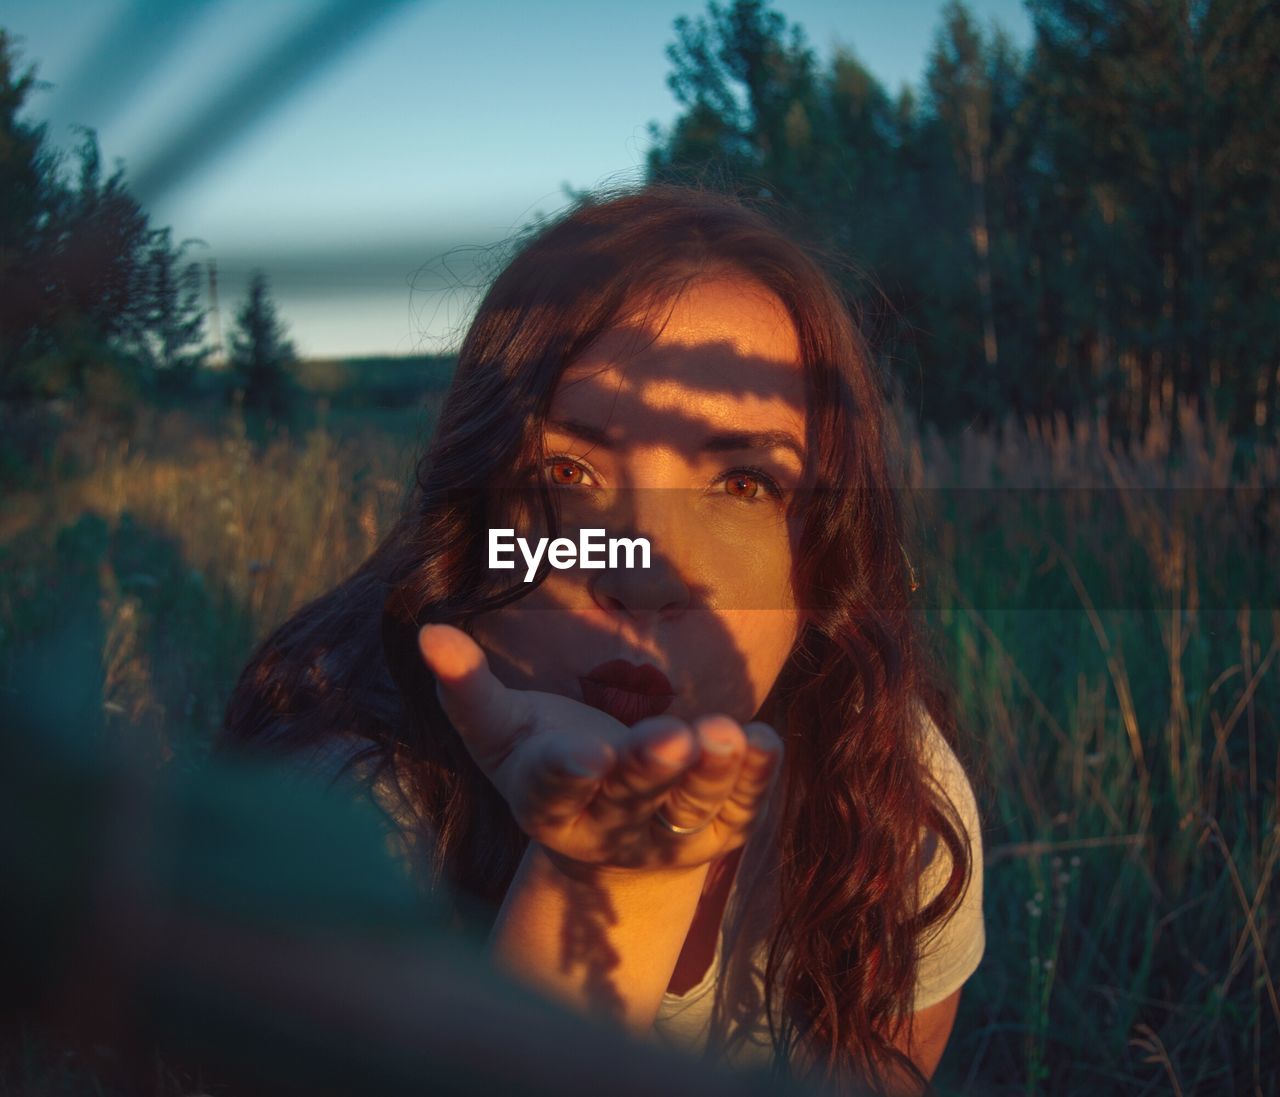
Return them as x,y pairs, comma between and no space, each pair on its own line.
685,425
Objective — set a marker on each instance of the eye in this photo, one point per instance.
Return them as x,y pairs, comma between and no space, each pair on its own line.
748,483
566,472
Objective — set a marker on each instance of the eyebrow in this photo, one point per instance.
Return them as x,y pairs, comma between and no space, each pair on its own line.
721,442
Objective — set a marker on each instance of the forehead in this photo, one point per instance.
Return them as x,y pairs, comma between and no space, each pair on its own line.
722,352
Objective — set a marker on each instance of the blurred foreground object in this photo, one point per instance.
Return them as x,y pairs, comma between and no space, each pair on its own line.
241,926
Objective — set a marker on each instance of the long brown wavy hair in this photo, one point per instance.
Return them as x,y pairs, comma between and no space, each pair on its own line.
856,792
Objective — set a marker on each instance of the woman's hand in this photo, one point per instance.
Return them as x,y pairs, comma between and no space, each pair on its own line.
590,789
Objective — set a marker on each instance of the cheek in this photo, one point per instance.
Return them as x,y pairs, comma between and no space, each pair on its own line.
500,635
543,640
768,637
739,658
745,567
521,640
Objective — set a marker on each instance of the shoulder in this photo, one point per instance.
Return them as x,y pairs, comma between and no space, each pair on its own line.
949,952
950,779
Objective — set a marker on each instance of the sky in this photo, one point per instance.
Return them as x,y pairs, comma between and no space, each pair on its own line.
372,157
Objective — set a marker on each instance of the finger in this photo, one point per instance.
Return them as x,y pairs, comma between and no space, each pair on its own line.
652,758
701,792
760,766
487,715
558,775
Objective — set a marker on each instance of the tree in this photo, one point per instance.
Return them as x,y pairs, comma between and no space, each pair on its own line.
29,194
90,294
261,353
747,81
840,155
170,331
960,91
1091,226
1165,119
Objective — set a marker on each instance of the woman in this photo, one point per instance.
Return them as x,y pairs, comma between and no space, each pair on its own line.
583,757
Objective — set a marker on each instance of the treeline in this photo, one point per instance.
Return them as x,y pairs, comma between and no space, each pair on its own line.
378,381
1089,226
95,300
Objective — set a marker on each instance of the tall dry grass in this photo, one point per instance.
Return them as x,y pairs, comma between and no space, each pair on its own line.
1108,618
177,547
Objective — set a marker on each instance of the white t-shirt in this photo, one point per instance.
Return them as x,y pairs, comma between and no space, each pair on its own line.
948,956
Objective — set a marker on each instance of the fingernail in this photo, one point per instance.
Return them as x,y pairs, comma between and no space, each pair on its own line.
719,743
443,659
763,737
672,751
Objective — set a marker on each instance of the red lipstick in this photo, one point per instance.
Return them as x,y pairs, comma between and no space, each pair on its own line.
627,692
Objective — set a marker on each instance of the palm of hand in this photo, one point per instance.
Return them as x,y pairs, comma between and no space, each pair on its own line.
590,789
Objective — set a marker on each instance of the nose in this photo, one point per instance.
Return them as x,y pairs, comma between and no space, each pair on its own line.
660,589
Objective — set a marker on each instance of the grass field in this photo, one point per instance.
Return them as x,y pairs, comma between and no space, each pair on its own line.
1108,616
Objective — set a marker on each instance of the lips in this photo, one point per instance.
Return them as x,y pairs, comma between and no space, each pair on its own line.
627,692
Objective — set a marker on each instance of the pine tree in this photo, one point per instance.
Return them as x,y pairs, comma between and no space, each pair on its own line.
748,83
1092,226
960,89
170,335
261,352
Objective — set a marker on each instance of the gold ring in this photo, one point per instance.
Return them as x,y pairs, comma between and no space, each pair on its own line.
684,832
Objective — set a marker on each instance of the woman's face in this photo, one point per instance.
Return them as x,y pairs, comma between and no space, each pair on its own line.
684,425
